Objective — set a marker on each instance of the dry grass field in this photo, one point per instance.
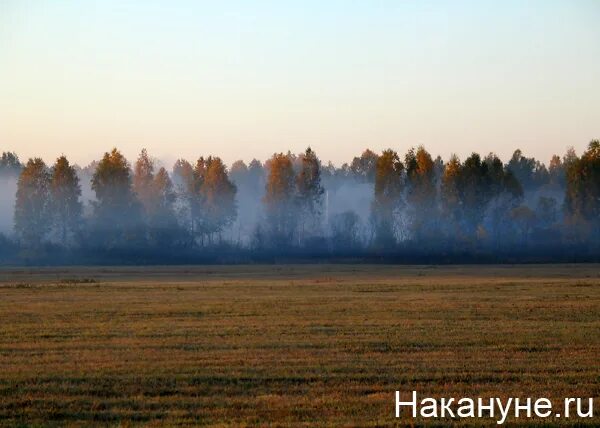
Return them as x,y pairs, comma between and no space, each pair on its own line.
290,345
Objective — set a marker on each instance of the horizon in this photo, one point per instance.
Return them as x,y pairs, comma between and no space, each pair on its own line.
243,81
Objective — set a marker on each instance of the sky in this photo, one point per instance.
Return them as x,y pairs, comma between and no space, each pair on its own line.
242,79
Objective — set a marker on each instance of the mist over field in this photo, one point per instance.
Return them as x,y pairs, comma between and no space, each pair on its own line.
340,196
8,189
413,207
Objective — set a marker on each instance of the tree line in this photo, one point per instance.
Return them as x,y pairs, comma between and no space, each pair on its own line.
411,208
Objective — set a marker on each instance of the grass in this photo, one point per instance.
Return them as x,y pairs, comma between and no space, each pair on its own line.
290,345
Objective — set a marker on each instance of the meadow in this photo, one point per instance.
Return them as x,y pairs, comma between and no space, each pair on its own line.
300,345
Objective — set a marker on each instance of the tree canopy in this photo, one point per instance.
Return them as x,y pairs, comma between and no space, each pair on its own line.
294,204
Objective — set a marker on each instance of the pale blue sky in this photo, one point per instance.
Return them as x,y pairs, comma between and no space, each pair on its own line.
244,79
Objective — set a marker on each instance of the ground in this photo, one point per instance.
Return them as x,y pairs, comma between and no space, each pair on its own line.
320,345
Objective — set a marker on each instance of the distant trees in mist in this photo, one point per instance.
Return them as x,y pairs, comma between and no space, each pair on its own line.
414,207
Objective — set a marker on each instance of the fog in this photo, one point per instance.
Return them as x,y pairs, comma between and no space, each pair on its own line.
207,212
8,189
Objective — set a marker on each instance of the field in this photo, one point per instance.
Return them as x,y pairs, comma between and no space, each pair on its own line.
322,345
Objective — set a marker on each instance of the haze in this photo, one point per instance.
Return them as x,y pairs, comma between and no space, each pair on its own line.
246,79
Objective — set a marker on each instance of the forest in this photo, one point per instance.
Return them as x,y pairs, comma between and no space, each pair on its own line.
293,207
